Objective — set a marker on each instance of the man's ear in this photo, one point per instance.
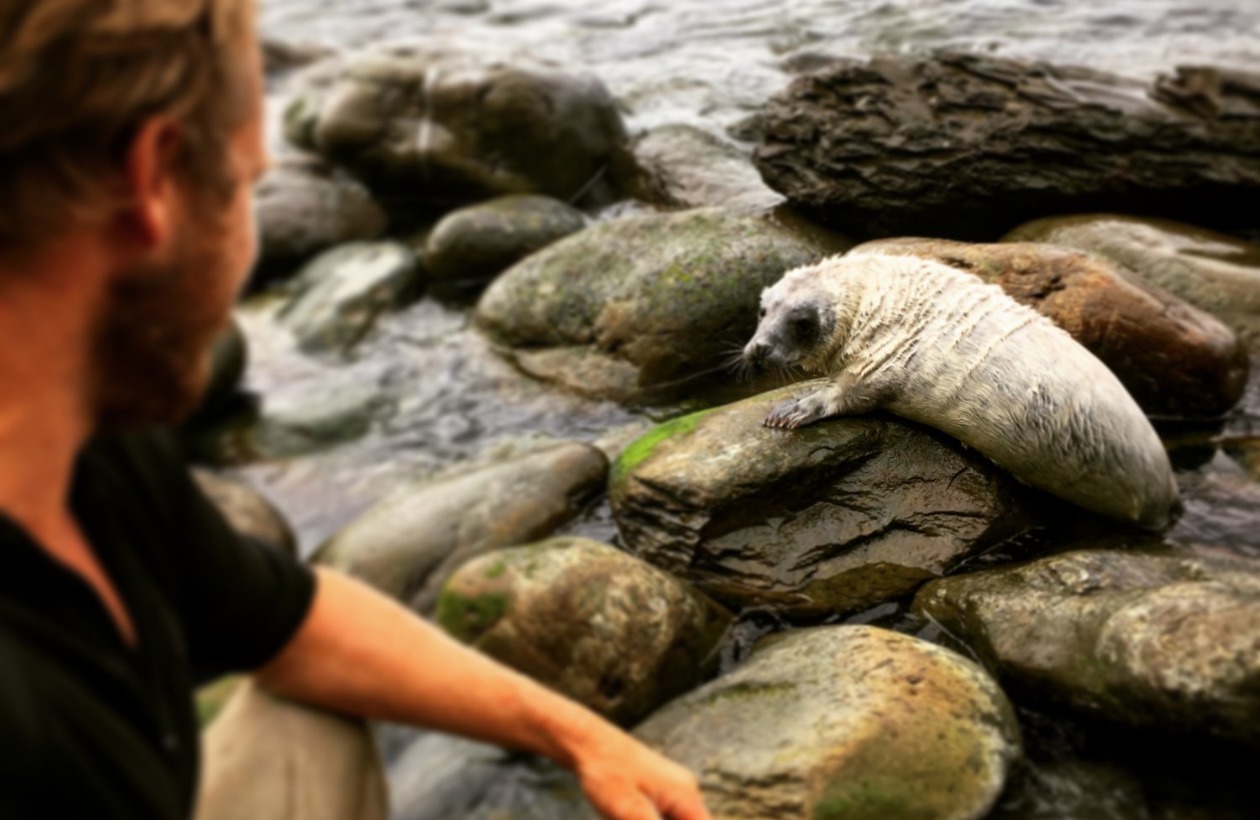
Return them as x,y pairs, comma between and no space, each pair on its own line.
151,182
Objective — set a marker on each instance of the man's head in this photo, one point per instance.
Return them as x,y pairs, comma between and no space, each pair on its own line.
138,123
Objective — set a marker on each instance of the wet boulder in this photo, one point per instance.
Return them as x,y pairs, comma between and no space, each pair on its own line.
831,518
1212,271
341,293
1153,640
969,145
844,723
641,306
432,127
476,243
1175,359
410,543
587,620
247,511
229,359
303,207
686,166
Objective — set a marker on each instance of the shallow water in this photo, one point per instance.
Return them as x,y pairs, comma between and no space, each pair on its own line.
439,396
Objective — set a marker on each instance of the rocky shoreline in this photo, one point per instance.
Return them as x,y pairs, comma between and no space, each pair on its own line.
925,603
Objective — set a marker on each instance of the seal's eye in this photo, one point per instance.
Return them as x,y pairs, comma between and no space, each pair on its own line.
803,328
761,314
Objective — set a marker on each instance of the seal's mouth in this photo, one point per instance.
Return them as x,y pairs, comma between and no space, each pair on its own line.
763,361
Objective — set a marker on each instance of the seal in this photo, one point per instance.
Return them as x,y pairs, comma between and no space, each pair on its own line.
940,347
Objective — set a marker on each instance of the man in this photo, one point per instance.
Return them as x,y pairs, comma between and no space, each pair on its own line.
132,136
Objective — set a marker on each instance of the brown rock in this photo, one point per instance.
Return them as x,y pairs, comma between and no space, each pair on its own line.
1175,359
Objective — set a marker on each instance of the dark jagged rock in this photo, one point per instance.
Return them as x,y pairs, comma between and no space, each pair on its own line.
832,518
969,146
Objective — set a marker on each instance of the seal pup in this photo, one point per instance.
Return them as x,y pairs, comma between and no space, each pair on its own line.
940,347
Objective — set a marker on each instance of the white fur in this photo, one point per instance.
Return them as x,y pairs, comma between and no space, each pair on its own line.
939,346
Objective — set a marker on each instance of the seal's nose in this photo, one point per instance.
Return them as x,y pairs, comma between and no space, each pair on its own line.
755,353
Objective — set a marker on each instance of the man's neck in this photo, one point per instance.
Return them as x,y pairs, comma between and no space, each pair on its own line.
46,309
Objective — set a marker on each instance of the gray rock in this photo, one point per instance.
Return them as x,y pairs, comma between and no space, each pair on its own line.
316,417
480,241
844,723
587,620
441,777
341,293
1214,272
1175,359
410,543
229,359
1150,640
688,167
426,127
304,207
635,308
968,145
835,517
248,511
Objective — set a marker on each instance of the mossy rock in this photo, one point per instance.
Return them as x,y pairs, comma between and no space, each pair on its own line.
642,307
844,723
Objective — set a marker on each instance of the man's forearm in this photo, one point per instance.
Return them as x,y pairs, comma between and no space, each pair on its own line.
361,653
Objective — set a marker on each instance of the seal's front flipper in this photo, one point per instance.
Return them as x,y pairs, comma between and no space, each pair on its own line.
829,400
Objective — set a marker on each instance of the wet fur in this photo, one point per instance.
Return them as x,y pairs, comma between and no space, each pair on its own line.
940,347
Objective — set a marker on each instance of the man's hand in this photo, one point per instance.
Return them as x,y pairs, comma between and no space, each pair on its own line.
636,783
361,653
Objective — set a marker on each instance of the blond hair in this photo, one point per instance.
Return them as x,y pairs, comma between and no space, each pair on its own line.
79,77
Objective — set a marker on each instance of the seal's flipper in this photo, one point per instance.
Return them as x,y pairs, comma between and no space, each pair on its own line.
829,400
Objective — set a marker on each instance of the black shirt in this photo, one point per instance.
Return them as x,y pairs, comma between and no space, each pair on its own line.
90,728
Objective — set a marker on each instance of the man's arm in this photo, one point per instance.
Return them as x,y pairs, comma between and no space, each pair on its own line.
361,653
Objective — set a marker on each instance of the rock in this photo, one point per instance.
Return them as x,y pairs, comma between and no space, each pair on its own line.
280,57
410,543
633,308
304,207
441,777
270,757
1148,640
832,518
432,127
1221,508
341,293
587,620
229,359
247,511
480,241
1173,358
688,167
312,418
1214,272
844,723
969,145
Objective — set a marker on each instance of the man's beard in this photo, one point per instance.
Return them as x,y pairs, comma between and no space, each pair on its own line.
153,341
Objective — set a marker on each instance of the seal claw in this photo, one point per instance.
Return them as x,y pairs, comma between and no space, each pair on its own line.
790,415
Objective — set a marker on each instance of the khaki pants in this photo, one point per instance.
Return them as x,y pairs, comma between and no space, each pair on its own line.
266,758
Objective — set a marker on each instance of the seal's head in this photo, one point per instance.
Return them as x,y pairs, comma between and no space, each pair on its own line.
796,327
